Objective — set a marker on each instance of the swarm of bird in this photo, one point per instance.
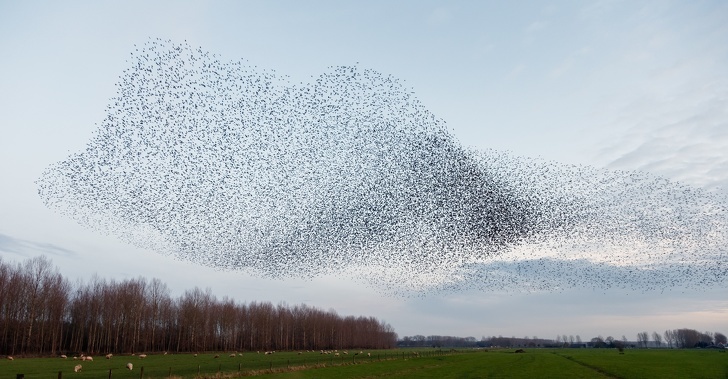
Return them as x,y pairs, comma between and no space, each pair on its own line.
232,166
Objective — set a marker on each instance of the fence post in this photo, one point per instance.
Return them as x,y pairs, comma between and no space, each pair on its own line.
141,374
60,374
170,373
198,370
20,376
109,373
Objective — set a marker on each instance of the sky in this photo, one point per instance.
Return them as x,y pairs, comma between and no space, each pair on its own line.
620,85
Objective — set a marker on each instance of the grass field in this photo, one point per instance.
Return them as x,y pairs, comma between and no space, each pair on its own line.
534,363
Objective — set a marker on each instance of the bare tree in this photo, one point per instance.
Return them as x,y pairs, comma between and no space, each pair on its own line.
720,338
687,338
598,342
643,338
657,338
610,341
37,272
41,312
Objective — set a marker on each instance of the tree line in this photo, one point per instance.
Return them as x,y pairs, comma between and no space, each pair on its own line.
42,313
671,338
682,338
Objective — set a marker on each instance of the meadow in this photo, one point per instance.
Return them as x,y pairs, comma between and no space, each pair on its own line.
402,363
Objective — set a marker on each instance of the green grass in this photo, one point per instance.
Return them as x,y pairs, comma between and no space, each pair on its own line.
534,363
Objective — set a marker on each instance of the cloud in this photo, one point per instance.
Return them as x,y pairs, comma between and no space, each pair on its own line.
27,248
683,138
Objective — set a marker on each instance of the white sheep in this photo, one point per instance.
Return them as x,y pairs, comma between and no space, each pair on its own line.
64,356
142,356
77,368
88,358
108,356
233,355
10,358
129,366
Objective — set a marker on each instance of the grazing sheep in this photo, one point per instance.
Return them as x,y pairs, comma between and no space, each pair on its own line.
108,356
77,368
142,356
75,358
233,355
217,356
129,366
336,354
165,353
64,356
89,358
195,354
369,354
10,358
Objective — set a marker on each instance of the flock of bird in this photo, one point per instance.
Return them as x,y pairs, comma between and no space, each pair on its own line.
234,167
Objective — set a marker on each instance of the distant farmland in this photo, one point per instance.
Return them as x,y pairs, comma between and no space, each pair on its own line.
402,363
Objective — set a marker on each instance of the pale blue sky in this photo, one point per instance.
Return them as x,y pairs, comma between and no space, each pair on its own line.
634,85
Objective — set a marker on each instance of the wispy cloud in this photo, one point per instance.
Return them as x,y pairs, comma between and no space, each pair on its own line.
27,248
683,138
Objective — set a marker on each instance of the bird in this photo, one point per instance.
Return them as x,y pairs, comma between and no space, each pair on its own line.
233,166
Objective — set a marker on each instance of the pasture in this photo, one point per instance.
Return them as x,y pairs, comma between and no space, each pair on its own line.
499,363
